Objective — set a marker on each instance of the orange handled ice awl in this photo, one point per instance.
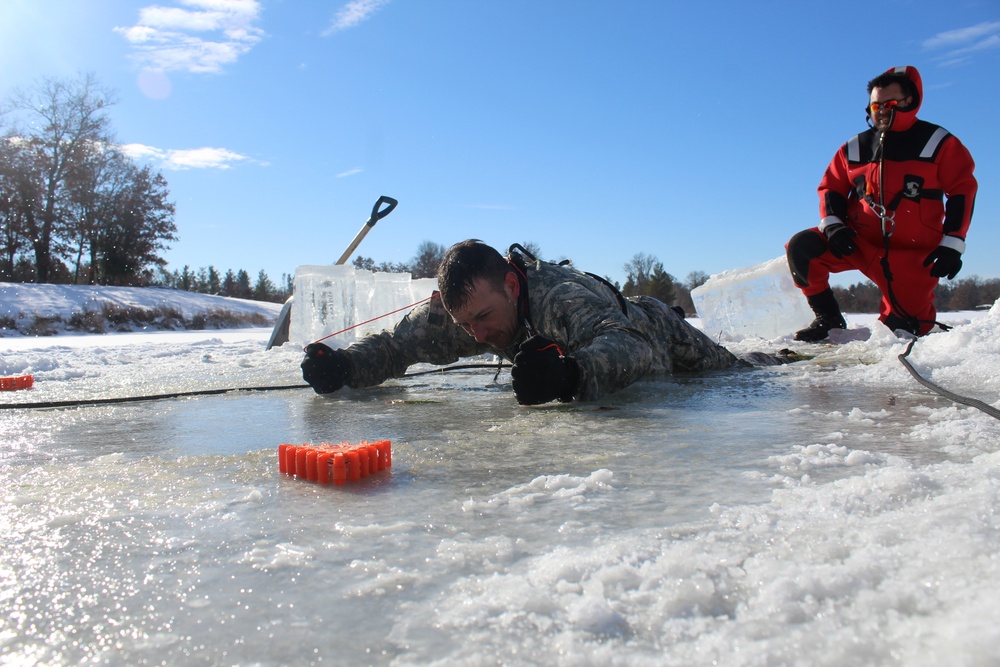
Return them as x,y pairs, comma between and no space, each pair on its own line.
18,382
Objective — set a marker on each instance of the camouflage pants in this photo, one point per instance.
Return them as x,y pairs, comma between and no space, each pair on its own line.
689,348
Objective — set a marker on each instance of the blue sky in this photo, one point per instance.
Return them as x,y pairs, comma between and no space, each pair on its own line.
694,132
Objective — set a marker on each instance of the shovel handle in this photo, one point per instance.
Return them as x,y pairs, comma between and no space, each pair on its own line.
377,215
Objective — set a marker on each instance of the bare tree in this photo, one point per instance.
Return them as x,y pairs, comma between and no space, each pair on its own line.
645,275
67,118
696,279
96,182
12,237
68,192
638,272
428,259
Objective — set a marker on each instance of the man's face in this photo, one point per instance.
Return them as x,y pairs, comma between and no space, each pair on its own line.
490,315
880,112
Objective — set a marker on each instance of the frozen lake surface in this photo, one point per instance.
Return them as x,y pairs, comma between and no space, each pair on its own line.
830,512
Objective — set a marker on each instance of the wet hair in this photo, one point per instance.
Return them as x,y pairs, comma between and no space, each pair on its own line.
886,79
463,265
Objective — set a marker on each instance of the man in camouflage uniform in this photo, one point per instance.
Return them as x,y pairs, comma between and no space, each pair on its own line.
570,335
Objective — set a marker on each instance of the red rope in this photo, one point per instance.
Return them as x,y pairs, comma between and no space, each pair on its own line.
377,317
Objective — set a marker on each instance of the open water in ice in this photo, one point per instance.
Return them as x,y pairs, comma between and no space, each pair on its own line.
765,517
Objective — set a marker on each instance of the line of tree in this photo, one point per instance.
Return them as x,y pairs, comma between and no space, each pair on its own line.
645,275
73,207
423,265
208,280
963,294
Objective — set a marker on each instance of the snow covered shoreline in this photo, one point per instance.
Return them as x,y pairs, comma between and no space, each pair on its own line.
30,309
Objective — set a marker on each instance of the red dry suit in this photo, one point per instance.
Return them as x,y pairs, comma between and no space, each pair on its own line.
911,171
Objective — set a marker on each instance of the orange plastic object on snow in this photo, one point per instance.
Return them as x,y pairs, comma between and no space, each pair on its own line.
334,464
15,383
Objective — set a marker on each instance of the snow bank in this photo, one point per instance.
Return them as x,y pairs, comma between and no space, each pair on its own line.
51,309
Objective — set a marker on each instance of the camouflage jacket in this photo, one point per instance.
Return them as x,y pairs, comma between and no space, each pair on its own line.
584,316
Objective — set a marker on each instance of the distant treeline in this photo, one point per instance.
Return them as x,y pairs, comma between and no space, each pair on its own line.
233,283
962,294
645,275
208,280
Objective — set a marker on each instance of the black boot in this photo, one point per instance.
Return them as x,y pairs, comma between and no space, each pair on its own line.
828,317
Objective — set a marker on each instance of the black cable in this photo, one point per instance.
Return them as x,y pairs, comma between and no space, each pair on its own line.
136,399
203,392
971,402
460,367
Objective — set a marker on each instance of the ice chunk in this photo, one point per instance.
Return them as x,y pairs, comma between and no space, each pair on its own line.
756,302
333,298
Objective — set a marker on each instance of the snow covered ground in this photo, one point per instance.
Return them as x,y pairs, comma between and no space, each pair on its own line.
66,308
829,512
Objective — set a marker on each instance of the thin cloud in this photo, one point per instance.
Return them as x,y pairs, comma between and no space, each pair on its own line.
352,14
350,172
963,43
201,37
492,207
962,36
142,152
181,159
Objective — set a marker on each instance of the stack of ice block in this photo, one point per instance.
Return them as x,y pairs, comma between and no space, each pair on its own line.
333,298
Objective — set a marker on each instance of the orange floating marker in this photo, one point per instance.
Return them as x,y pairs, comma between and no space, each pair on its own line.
311,472
354,471
336,464
339,468
283,458
300,461
18,382
324,467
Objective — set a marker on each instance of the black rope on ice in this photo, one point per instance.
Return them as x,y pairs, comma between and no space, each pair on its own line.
459,367
137,399
205,392
971,402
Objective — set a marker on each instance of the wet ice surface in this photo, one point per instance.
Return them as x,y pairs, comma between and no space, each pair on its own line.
831,512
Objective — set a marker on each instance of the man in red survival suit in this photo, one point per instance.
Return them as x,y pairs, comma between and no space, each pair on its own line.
883,212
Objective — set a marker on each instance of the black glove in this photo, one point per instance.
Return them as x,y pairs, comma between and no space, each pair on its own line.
324,368
947,262
541,373
840,239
